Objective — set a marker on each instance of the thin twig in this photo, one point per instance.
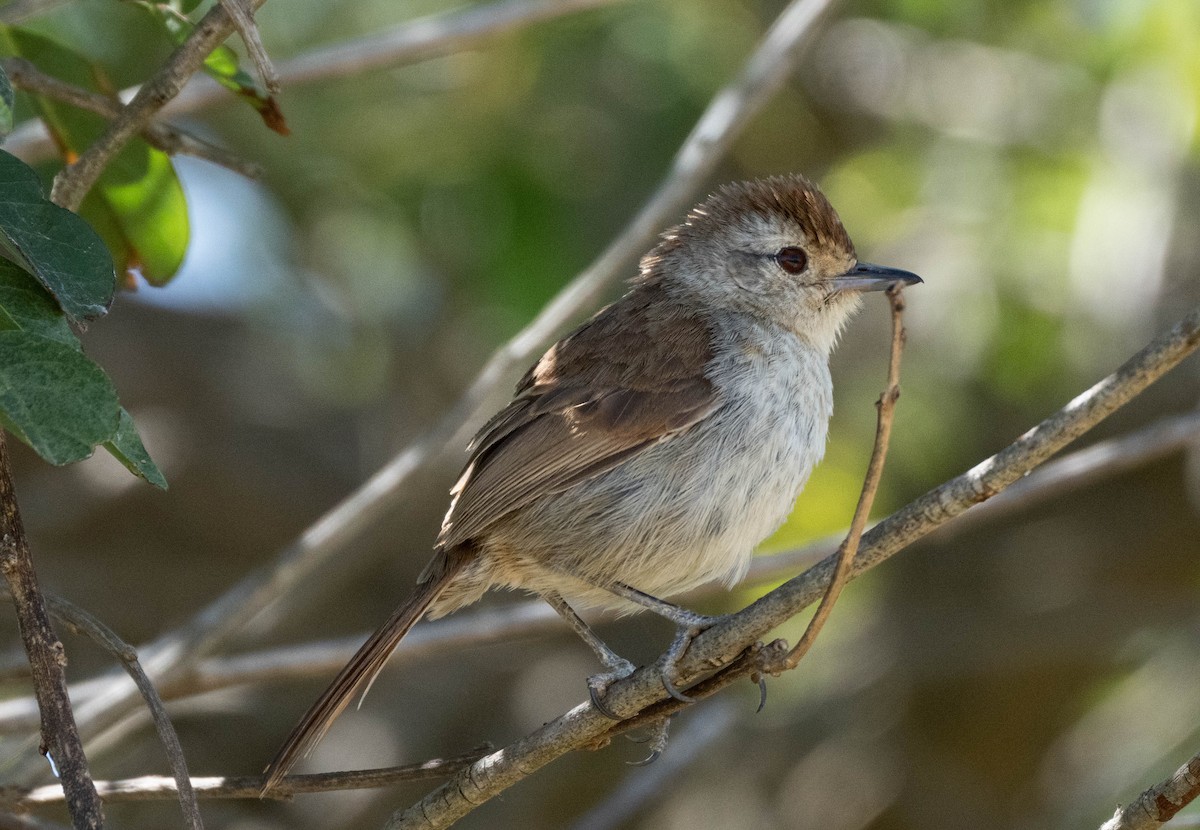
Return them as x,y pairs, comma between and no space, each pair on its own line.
82,621
243,19
160,787
1159,804
75,180
47,660
732,641
166,137
862,511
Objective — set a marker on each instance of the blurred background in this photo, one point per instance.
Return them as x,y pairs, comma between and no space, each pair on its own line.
1036,162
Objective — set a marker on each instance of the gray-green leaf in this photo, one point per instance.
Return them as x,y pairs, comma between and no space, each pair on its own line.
53,244
127,447
53,398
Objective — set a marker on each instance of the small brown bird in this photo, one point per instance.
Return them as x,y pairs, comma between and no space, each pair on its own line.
651,449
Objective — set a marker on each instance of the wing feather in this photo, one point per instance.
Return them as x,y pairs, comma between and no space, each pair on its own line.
585,408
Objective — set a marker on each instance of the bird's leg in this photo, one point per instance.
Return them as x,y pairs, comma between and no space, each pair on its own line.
688,623
618,667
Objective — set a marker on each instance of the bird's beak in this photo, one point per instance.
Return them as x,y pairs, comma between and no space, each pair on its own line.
867,277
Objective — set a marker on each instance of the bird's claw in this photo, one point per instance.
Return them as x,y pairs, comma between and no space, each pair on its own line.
598,686
658,743
679,647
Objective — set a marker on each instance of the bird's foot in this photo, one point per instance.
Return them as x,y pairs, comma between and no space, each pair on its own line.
690,627
618,669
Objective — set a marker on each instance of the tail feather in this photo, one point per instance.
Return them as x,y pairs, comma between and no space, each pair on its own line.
365,665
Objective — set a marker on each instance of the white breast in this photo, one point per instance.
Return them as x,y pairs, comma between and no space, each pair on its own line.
691,509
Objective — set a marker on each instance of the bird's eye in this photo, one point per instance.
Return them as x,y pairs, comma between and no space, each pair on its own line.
792,260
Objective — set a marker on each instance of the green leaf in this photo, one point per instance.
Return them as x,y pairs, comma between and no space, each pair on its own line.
137,206
127,448
6,105
53,244
53,398
27,306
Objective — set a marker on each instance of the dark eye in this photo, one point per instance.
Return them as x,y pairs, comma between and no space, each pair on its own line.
792,260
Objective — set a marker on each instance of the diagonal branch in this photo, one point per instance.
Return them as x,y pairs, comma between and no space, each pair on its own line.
1159,804
732,640
74,181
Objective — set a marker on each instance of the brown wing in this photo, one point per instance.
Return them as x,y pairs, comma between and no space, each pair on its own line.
630,377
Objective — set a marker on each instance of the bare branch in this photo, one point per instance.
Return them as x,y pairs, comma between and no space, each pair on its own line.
166,137
81,621
47,659
732,640
74,181
1159,804
243,19
158,787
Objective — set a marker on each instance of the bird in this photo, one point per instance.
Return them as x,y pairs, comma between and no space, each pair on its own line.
651,449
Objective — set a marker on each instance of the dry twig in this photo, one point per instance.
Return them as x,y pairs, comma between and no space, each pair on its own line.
81,621
47,660
862,511
243,18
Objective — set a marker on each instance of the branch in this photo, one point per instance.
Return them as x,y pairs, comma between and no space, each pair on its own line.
81,621
166,137
243,19
75,180
732,640
159,787
1159,804
47,660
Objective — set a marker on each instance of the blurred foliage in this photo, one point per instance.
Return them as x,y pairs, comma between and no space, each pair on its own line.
1035,162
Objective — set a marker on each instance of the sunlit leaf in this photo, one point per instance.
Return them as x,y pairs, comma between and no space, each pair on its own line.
127,448
53,244
137,205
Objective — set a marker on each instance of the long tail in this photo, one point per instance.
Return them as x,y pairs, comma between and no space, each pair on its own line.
366,663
